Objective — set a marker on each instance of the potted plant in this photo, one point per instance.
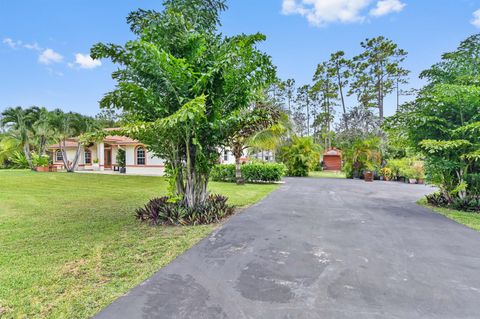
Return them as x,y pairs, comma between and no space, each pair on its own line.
121,161
419,172
386,173
41,162
410,175
369,172
96,165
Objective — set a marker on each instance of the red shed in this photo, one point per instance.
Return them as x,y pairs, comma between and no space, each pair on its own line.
332,160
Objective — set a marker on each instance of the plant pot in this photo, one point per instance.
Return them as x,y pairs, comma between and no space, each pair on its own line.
123,170
412,180
368,176
387,178
420,181
42,169
96,166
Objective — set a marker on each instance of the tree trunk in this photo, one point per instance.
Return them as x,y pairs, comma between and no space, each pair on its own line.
340,89
72,168
237,151
26,151
196,182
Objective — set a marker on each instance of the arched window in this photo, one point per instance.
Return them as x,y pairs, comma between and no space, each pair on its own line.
88,156
141,155
58,156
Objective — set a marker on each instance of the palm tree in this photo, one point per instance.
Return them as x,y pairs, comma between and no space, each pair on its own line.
67,126
21,121
271,138
43,131
9,145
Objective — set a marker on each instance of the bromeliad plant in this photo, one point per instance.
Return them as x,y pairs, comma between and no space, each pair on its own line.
164,211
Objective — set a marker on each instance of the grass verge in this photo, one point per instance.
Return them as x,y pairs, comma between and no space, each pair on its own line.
471,220
327,174
70,244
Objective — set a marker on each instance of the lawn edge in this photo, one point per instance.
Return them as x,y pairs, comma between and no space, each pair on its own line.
447,212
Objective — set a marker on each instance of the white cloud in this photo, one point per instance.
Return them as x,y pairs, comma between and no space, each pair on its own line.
387,6
49,56
32,46
11,43
476,18
323,12
84,61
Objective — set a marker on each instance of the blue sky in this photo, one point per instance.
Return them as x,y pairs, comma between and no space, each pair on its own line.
44,44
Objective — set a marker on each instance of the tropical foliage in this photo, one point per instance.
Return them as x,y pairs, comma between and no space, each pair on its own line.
252,173
301,155
30,130
181,85
362,155
443,123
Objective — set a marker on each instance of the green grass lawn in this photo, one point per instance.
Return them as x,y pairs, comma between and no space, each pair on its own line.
327,174
70,245
471,220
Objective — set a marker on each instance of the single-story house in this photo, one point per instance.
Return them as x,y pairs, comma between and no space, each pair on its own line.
103,155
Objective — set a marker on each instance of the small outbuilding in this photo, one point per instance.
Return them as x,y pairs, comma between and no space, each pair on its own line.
332,160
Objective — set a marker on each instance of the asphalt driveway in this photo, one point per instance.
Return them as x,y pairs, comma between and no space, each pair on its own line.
321,248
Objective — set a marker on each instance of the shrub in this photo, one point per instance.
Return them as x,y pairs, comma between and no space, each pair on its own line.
437,199
165,211
301,156
269,172
473,182
121,158
258,172
467,204
19,160
40,160
223,173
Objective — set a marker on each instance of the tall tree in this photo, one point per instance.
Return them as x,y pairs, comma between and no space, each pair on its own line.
181,84
289,93
443,122
339,68
377,70
302,112
327,89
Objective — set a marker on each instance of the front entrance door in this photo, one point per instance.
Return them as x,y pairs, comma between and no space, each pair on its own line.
108,159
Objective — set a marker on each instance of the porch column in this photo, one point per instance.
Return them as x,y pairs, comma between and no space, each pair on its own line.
101,155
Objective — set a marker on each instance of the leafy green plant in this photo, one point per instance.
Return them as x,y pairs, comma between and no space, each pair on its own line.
19,160
121,158
40,160
164,211
223,173
443,122
300,156
387,173
362,155
252,173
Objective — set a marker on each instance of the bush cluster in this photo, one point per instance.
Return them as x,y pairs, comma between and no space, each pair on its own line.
165,211
252,173
468,204
406,167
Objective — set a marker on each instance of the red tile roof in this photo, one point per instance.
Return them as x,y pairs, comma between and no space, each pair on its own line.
110,139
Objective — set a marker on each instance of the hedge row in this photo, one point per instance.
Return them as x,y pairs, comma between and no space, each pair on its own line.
252,173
